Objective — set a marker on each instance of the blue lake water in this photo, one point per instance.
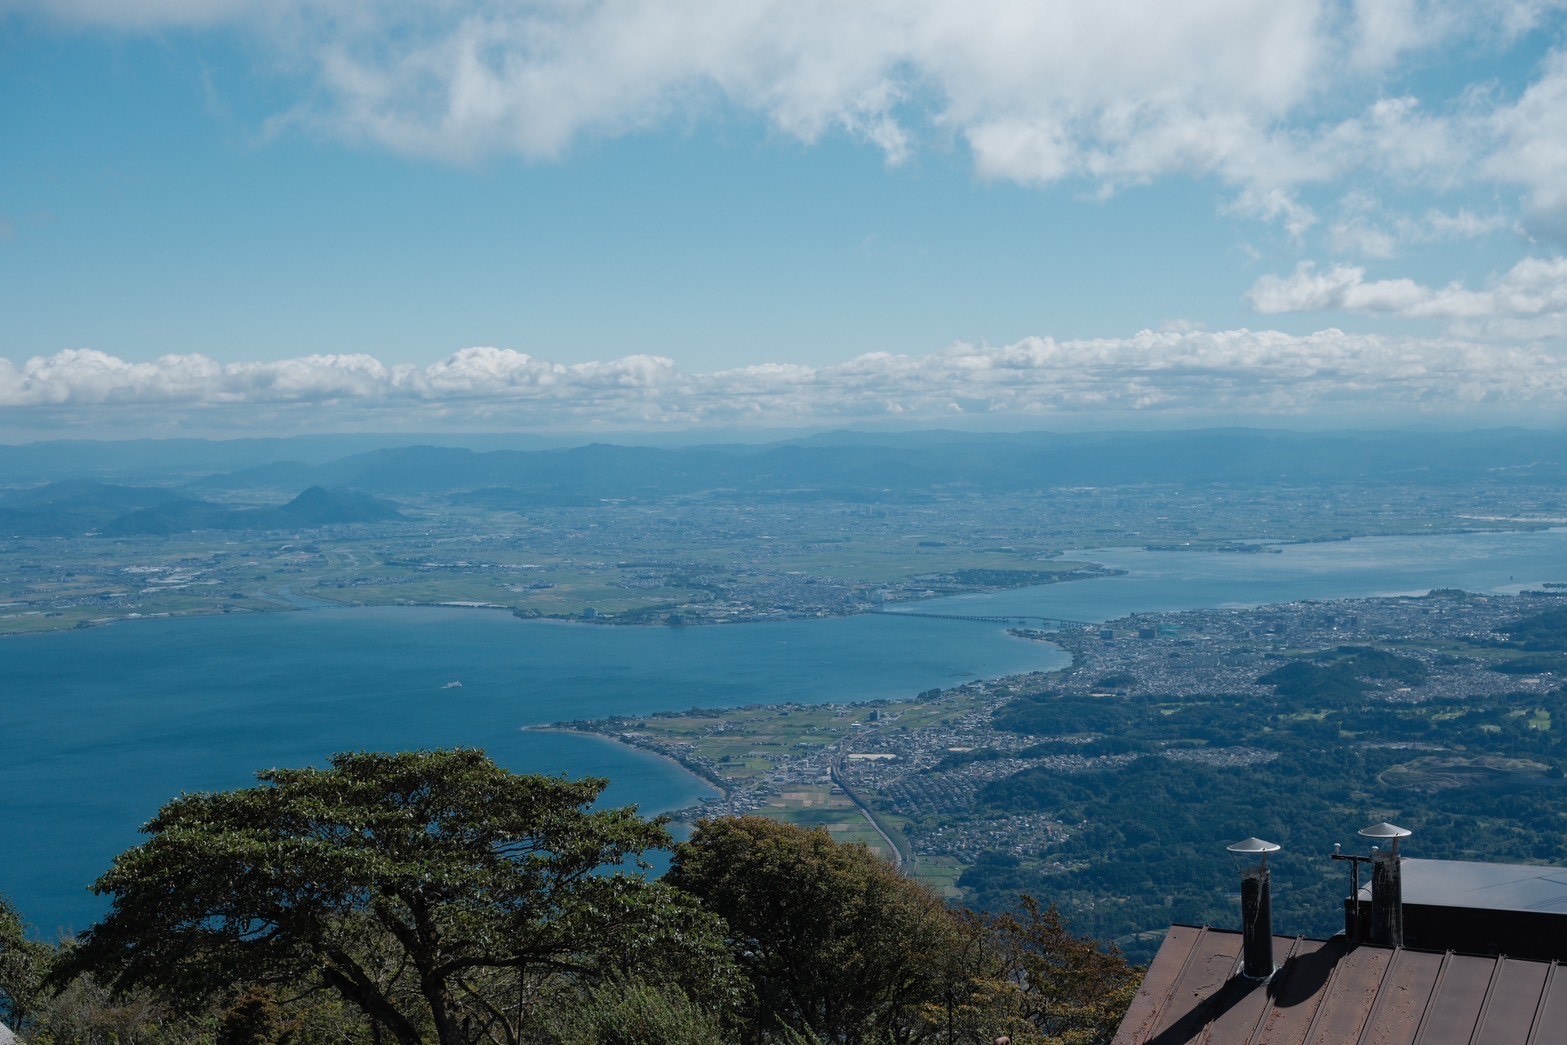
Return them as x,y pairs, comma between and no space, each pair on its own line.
103,726
1160,581
98,728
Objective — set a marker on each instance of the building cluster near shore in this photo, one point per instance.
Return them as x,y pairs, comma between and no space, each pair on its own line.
929,775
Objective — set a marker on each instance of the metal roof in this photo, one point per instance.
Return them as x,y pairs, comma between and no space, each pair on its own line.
1327,992
1497,887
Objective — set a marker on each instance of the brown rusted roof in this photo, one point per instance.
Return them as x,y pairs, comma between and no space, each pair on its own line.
1326,992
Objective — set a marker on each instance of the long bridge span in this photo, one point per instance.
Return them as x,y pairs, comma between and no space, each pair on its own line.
1011,618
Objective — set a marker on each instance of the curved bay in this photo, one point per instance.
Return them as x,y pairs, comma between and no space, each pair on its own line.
103,726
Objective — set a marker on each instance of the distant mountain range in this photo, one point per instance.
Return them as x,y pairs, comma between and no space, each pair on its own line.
851,466
76,507
842,466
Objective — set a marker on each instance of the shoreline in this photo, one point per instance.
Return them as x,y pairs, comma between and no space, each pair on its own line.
285,601
723,787
727,788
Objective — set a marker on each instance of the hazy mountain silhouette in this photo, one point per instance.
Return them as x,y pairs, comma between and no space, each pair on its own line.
314,507
846,466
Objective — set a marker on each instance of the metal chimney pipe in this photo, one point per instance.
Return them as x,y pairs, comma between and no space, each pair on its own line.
1387,885
1256,909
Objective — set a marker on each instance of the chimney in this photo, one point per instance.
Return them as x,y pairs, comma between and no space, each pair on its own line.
1387,885
1256,909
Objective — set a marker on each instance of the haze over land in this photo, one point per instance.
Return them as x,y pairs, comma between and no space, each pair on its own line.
826,525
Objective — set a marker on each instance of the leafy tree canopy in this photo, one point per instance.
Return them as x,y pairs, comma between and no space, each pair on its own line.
837,944
23,965
435,891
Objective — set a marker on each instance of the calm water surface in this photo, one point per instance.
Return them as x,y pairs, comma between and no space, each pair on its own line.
101,727
1156,581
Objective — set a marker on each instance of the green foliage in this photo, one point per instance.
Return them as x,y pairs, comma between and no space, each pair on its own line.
433,897
835,942
435,891
1144,838
1059,985
1339,678
954,759
23,966
1536,664
1545,632
629,1013
256,1018
85,1013
1088,749
1051,712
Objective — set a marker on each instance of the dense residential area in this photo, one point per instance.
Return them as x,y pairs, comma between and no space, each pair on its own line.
1112,785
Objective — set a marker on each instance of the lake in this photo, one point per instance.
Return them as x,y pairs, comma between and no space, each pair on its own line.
102,726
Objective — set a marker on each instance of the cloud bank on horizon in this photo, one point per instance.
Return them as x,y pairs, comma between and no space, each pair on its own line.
1364,132
1165,375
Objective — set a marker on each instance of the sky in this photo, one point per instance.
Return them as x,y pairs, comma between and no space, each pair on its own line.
246,217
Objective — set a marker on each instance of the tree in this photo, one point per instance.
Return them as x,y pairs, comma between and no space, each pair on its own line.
1054,984
619,1012
435,891
837,944
23,965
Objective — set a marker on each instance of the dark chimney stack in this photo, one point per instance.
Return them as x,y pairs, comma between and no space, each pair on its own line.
1256,909
1387,885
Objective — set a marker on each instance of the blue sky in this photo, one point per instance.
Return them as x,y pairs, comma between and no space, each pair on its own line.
237,216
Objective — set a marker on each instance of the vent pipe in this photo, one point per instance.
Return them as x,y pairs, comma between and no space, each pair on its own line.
1387,885
1256,909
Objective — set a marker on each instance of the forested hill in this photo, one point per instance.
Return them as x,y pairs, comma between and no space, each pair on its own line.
77,507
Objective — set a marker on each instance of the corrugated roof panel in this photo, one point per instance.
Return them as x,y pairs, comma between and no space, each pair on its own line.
1510,1006
1550,1019
1210,967
1351,996
1456,1002
1330,993
1406,989
1153,996
1300,990
1251,1007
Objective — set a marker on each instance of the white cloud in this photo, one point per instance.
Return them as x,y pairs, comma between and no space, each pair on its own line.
1174,373
1386,29
1364,228
1535,287
1533,144
1265,95
1275,205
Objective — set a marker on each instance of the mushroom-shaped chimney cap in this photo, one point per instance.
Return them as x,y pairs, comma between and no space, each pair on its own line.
1254,847
1385,831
